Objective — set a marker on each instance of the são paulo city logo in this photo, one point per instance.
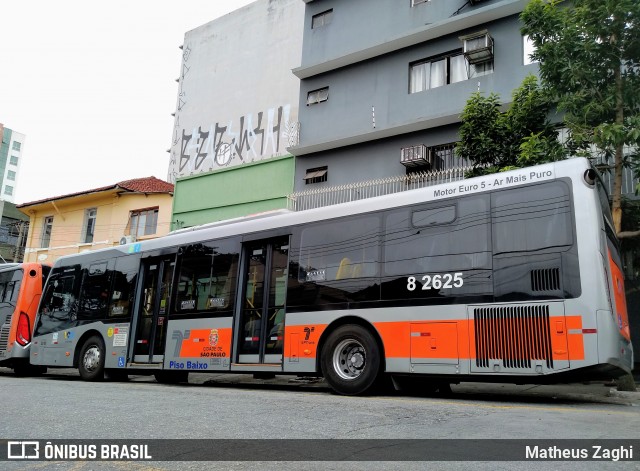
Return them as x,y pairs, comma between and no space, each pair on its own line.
213,337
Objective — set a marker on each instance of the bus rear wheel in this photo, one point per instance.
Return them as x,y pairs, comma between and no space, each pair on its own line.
91,364
351,360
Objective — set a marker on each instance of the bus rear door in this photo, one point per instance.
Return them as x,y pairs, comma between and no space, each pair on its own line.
260,331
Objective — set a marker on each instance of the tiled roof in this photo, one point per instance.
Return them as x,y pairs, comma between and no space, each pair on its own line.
136,185
147,185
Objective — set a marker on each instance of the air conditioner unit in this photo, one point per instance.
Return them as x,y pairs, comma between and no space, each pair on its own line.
478,47
415,156
127,239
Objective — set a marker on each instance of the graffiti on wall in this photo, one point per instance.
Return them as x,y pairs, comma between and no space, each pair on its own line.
246,139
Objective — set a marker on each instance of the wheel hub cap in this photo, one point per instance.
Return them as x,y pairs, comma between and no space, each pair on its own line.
91,359
349,359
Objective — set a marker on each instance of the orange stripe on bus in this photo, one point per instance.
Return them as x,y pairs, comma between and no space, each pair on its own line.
301,341
438,339
395,337
455,339
207,343
620,299
575,341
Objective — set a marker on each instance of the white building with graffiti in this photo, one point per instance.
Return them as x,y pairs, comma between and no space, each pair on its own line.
237,100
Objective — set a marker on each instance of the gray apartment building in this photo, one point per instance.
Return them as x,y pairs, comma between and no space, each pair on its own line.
383,82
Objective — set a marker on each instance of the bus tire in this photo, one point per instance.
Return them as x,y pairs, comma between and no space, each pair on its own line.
351,360
171,377
91,362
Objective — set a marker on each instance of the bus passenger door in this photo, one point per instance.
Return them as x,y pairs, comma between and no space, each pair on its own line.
260,331
153,308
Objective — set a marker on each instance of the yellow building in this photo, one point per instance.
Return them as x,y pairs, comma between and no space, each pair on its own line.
124,212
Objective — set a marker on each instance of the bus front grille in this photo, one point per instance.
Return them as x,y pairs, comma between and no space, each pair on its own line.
516,336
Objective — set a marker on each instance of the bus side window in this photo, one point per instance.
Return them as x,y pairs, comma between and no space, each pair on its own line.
339,250
337,261
533,240
207,277
95,291
125,275
532,218
442,240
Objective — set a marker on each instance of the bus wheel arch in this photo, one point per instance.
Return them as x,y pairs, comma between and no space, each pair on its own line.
357,339
90,356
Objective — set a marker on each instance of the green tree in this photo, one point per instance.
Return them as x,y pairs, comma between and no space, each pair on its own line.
530,137
482,133
521,136
589,60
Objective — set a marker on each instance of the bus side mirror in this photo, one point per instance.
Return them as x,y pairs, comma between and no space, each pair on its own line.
590,177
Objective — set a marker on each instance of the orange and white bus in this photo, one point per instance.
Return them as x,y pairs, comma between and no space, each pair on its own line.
20,290
508,277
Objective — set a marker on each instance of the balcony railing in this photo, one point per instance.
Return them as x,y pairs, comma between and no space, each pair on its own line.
328,196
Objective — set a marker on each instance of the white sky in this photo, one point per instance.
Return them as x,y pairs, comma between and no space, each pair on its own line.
92,86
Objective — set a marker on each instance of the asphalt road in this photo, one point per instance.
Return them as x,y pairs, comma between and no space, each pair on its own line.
61,406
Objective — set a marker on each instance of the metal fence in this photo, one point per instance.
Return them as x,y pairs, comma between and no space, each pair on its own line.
331,195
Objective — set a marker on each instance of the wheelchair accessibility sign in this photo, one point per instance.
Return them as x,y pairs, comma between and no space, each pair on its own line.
120,362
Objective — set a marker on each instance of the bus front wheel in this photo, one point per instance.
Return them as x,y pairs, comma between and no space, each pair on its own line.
91,364
351,360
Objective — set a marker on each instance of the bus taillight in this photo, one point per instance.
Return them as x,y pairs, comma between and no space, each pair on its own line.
23,334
